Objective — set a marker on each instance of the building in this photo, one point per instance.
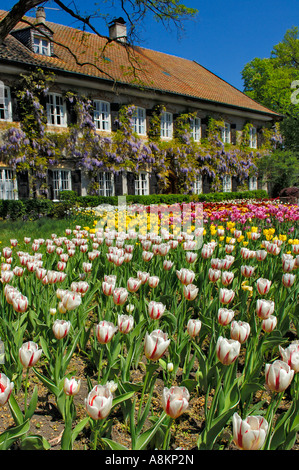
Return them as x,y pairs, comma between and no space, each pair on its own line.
105,71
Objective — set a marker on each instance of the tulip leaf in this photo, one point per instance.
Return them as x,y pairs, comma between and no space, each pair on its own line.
144,439
15,410
78,428
32,405
34,442
122,398
47,382
113,445
8,437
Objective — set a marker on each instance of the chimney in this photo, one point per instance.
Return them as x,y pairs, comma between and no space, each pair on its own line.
118,30
40,15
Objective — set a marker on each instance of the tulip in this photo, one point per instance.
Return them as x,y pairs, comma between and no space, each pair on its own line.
20,303
250,433
120,295
107,288
153,281
71,386
190,291
239,331
143,276
264,308
125,323
269,324
227,278
147,255
186,276
29,354
6,276
247,271
130,308
288,279
278,376
226,296
71,300
175,401
99,402
155,344
227,350
288,264
206,251
133,284
263,286
156,310
193,327
6,387
191,257
105,331
87,267
61,328
225,316
261,255
81,287
167,265
290,355
214,274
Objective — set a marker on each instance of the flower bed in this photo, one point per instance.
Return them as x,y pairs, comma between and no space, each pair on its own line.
156,327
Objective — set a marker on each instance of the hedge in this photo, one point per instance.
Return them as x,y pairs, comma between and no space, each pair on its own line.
30,209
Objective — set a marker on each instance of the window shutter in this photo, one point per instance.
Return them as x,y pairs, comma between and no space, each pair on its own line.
234,184
23,184
131,184
233,134
153,183
206,184
118,184
76,181
50,185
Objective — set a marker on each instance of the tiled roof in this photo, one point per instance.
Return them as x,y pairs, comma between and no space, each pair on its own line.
161,72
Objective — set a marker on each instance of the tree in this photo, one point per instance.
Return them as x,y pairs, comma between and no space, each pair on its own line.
166,11
271,81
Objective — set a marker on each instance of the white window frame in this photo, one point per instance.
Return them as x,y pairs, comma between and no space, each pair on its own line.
142,184
252,183
166,125
139,117
101,115
195,127
252,138
42,46
5,106
106,183
8,184
197,185
56,110
227,184
225,133
62,181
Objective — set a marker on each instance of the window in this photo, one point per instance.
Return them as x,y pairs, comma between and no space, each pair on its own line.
56,113
141,184
139,121
227,183
5,105
166,125
42,46
195,129
62,181
105,184
101,115
252,137
225,133
252,186
8,184
197,185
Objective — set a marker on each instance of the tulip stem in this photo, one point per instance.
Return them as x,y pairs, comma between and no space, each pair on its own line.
26,390
276,399
167,435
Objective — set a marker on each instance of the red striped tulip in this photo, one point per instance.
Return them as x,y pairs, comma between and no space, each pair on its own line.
288,279
99,402
247,271
125,323
71,300
153,281
120,295
227,278
227,350
278,376
250,433
225,316
71,386
186,276
155,344
260,255
264,308
193,327
239,331
290,355
20,303
61,328
133,284
269,324
190,292
105,331
263,285
29,354
156,310
143,276
214,274
6,387
226,296
175,401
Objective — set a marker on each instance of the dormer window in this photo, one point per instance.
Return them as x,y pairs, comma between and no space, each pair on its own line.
41,46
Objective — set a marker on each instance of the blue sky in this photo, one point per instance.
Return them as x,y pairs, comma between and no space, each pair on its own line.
225,35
